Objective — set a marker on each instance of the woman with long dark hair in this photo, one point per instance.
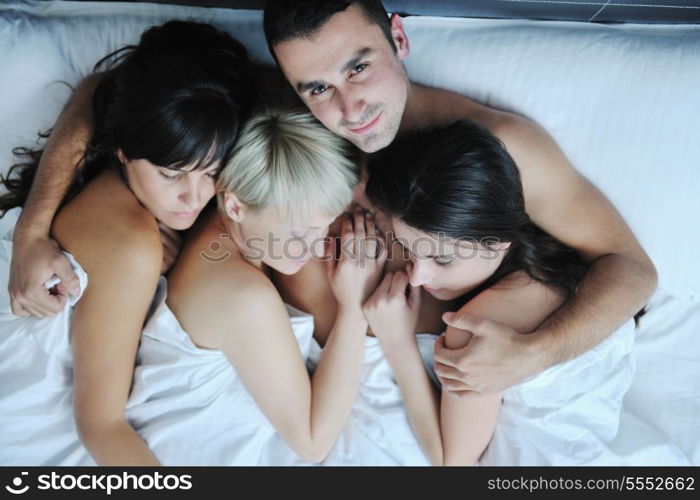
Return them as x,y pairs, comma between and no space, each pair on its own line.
456,205
166,114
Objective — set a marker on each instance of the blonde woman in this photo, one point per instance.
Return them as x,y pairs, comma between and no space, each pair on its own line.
224,332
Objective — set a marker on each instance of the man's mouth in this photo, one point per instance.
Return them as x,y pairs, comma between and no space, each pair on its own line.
366,128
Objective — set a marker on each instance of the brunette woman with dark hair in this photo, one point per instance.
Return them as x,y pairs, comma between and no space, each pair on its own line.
165,117
456,205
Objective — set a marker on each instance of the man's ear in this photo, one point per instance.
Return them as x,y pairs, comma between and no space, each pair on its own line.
399,35
235,208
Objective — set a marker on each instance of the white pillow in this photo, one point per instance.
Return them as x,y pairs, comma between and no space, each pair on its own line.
623,102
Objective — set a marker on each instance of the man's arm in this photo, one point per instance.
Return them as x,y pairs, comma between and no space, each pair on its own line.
618,283
621,276
36,258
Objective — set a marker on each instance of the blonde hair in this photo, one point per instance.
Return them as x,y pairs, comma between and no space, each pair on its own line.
288,161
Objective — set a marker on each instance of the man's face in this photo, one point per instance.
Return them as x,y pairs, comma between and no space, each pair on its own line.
350,77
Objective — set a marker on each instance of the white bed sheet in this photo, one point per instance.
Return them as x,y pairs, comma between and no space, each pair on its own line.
622,102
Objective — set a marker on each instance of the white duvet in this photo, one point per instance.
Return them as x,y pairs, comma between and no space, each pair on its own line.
192,408
36,376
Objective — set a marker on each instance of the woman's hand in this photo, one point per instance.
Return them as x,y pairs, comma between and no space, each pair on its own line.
391,313
356,270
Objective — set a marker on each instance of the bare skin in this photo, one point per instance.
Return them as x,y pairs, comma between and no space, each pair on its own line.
117,242
257,337
309,290
621,276
618,283
349,76
452,430
36,257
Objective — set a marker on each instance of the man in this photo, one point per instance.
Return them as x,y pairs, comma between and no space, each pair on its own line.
344,59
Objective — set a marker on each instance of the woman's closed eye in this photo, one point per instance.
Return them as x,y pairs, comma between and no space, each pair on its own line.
211,174
168,177
443,262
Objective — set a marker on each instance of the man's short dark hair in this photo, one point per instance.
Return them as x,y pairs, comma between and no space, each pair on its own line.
288,19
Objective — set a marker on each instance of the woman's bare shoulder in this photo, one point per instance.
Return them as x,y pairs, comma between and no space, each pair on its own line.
105,220
211,297
518,301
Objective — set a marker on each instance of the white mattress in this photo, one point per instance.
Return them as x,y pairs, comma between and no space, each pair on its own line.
622,101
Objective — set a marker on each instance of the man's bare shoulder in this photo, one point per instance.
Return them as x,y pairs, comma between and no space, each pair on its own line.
527,142
445,106
442,107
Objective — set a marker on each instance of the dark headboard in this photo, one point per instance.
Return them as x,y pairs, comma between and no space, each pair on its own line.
602,11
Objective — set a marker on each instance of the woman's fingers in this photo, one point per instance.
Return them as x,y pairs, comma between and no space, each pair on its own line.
359,243
385,286
382,252
414,297
329,256
399,284
346,234
372,243
379,294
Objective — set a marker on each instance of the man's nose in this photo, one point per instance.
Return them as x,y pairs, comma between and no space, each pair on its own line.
353,107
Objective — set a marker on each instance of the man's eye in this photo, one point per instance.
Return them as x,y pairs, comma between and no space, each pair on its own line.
319,90
359,68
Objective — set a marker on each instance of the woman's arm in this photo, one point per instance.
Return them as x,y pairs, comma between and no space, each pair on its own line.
310,291
456,429
260,343
468,419
255,334
122,259
393,317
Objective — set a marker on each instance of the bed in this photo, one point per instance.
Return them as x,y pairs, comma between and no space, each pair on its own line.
621,99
